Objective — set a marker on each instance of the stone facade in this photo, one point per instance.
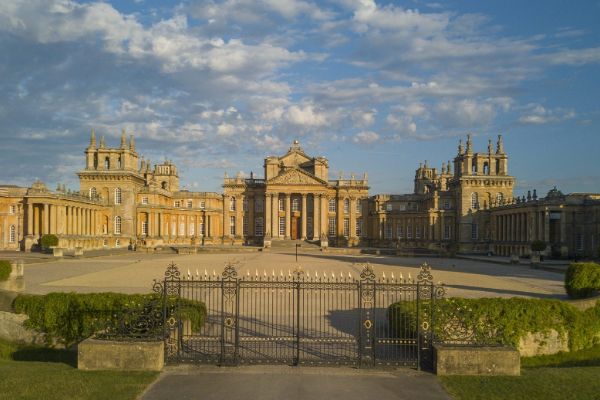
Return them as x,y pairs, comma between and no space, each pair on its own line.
467,206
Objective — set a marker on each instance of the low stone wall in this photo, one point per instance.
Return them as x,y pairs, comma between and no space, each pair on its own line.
94,354
467,360
543,343
13,329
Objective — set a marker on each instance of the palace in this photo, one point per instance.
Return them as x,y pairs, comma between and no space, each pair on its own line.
468,206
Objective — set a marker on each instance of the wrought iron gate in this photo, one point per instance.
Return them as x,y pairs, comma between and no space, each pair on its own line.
295,318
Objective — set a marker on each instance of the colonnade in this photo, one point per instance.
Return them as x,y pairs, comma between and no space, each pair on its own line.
60,219
179,225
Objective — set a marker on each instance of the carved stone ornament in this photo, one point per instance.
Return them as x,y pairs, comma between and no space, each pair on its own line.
294,176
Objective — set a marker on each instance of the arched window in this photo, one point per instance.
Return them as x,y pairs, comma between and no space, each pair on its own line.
117,225
164,185
107,163
486,168
474,201
346,206
499,198
474,167
497,167
93,192
95,161
232,204
119,163
12,234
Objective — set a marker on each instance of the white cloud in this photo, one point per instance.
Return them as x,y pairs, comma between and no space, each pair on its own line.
536,114
365,137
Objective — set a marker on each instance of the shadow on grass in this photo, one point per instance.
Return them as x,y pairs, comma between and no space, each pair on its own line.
32,353
582,358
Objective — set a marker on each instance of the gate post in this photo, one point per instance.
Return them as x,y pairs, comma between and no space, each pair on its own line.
229,316
366,296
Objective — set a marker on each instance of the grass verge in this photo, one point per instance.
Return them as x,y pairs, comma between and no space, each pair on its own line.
560,376
30,372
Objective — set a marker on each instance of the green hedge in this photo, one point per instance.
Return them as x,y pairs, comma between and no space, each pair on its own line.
5,270
503,321
582,279
48,240
72,317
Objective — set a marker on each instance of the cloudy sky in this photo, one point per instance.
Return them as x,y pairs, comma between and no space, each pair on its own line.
375,87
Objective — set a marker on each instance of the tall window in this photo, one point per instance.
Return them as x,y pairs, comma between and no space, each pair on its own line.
258,226
331,205
332,226
346,227
281,205
418,232
388,230
245,204
12,234
245,225
258,204
446,204
192,228
309,226
181,229
359,223
232,225
358,206
346,206
173,228
399,231
446,231
408,232
474,232
579,241
120,162
118,196
232,204
486,168
499,198
107,163
295,204
117,225
389,207
201,228
281,226
474,201
93,192
12,209
144,228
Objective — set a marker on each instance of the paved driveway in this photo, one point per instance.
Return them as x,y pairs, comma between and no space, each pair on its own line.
301,383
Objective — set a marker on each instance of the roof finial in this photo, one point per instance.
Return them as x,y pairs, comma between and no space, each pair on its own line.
461,149
500,145
131,143
102,142
469,144
93,139
490,147
123,139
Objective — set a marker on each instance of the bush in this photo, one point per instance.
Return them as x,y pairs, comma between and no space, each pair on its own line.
582,279
71,317
5,270
538,245
502,321
48,240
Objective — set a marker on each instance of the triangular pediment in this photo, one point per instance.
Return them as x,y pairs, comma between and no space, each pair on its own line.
295,176
294,158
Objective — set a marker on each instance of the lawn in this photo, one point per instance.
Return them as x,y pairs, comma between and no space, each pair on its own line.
562,376
35,373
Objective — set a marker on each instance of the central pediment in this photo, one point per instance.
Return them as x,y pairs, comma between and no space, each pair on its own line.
296,176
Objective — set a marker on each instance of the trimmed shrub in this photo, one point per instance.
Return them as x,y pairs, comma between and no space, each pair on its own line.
5,270
48,240
71,317
582,279
538,245
502,321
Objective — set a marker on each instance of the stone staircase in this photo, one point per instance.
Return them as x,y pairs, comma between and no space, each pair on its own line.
289,244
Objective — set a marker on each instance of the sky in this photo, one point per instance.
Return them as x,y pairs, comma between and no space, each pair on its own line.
374,86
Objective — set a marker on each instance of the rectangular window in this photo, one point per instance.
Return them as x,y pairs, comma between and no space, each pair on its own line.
144,200
408,232
258,205
117,225
189,204
118,243
201,228
346,206
359,223
12,234
281,204
232,225
399,231
258,226
192,230
446,231
245,225
12,209
177,204
202,204
118,196
358,206
173,229
418,232
181,229
331,205
474,231
579,242
295,204
309,226
281,226
105,243
245,204
446,204
346,227
145,228
332,226
388,230
389,207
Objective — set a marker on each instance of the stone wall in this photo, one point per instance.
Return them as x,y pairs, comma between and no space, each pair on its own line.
93,354
13,329
476,360
540,343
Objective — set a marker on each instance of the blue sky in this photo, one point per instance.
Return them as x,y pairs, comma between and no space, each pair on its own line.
376,87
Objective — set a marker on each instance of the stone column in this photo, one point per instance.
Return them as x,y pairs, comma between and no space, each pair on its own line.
29,218
288,209
275,216
239,219
304,216
250,215
316,216
547,226
324,216
352,216
339,217
267,213
45,220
